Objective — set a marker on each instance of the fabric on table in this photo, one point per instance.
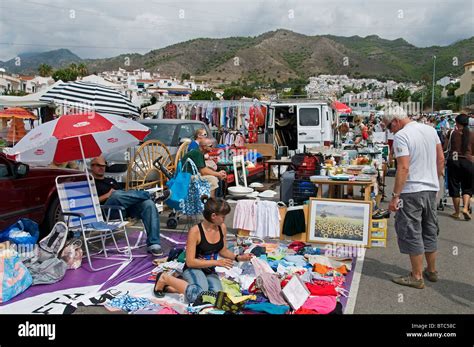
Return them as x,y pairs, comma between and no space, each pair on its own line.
268,308
323,260
320,290
127,303
260,266
321,304
271,287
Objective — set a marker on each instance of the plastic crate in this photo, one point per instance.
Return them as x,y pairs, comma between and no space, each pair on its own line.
303,190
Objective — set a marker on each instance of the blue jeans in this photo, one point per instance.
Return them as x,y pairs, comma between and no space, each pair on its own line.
199,282
139,205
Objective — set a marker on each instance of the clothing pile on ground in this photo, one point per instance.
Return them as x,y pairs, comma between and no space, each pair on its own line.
258,286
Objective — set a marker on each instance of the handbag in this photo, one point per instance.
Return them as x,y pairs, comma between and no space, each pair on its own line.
14,276
72,254
179,187
197,188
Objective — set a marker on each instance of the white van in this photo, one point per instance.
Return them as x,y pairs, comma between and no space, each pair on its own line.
301,124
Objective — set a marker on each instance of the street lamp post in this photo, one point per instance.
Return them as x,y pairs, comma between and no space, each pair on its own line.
432,92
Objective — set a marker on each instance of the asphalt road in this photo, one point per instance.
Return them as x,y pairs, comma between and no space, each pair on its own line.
452,294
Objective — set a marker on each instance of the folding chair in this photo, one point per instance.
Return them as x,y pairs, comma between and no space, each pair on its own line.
80,204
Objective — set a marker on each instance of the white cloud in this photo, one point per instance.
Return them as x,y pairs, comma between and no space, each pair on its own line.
105,28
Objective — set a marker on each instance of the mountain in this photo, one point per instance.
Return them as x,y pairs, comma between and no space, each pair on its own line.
284,54
29,62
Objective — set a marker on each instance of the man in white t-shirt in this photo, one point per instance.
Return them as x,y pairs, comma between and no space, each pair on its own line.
420,161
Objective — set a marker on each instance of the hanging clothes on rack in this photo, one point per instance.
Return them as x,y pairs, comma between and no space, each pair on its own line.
268,220
171,111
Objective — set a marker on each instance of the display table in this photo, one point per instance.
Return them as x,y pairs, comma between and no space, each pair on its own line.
276,162
368,186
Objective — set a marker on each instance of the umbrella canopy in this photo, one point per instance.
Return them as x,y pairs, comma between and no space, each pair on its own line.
78,136
17,112
340,107
91,96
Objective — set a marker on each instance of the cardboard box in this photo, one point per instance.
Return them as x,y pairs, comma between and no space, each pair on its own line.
380,243
265,149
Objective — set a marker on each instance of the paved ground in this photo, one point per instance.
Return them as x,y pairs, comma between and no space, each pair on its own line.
452,294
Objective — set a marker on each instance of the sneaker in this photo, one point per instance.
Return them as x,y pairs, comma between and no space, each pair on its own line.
431,276
409,281
161,195
155,250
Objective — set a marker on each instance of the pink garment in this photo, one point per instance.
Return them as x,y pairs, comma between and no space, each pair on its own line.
271,287
167,310
321,304
260,266
245,215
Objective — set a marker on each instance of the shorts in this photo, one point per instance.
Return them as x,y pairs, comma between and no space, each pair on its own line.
460,177
294,223
416,223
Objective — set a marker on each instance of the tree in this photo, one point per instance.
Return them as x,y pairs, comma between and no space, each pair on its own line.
45,70
82,70
203,95
236,93
65,75
401,94
185,76
153,100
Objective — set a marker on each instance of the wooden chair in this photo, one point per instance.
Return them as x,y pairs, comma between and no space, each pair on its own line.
182,150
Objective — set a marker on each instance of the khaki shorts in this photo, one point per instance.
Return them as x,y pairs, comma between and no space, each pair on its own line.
213,181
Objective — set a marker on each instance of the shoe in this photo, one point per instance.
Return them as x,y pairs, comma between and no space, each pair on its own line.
159,293
466,215
155,250
409,281
162,195
431,276
455,216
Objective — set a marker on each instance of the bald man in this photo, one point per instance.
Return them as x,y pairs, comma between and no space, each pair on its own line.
197,156
138,203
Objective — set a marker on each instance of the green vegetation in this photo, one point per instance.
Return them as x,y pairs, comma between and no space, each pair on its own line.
203,95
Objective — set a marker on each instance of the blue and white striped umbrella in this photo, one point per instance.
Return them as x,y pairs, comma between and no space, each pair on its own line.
85,96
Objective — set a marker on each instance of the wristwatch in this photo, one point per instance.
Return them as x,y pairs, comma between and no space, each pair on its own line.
395,195
236,258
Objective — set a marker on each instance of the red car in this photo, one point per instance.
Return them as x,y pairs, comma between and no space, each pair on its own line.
29,192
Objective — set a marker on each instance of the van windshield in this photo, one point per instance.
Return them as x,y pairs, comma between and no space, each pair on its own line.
161,132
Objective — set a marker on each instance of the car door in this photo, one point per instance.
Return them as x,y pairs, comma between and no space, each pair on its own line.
309,126
17,200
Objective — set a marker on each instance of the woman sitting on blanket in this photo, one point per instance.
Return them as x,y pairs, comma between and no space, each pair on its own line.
206,241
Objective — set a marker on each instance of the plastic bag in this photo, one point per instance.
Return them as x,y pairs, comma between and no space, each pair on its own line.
23,232
14,276
179,186
72,254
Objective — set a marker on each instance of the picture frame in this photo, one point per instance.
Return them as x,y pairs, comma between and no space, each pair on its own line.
336,221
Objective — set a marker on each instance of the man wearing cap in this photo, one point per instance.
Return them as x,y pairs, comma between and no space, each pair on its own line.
139,204
420,162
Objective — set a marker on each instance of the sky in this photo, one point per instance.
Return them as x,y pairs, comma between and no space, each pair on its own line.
107,28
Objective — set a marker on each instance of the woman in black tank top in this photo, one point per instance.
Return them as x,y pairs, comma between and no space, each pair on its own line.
206,242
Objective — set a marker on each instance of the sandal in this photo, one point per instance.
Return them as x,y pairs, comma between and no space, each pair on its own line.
455,215
159,293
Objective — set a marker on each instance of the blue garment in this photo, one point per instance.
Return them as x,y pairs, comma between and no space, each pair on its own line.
193,145
267,308
198,282
139,205
128,303
298,260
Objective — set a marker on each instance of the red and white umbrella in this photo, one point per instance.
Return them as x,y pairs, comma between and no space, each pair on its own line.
77,136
